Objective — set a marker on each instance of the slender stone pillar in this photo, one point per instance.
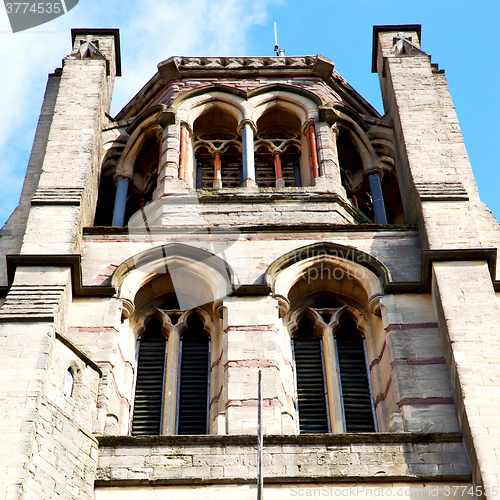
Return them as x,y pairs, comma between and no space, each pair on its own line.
248,153
280,183
313,154
120,202
377,199
171,383
217,172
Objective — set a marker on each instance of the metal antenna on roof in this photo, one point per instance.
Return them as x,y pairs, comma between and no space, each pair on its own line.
279,53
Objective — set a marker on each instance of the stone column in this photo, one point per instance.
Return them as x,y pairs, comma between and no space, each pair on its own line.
247,134
377,199
120,202
171,383
280,183
313,152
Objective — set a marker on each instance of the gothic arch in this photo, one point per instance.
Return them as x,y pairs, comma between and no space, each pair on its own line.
198,277
363,270
188,109
147,129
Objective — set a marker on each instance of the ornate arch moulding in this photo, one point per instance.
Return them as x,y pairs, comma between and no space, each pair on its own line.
354,264
379,279
182,262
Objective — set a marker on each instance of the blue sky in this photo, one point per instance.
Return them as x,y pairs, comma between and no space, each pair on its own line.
461,35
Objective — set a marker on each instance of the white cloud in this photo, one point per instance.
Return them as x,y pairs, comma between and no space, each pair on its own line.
150,31
188,27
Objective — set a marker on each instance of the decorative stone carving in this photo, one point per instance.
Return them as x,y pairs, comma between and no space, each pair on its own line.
88,48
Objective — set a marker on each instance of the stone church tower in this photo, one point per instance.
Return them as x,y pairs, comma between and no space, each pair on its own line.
244,215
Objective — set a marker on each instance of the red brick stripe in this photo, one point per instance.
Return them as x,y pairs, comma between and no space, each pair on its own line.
418,361
426,401
382,396
253,403
376,361
408,326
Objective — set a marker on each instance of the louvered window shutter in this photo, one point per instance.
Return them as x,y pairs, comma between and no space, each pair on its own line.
311,389
193,387
355,385
149,387
310,386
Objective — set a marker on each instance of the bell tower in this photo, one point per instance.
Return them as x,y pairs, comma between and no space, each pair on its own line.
247,218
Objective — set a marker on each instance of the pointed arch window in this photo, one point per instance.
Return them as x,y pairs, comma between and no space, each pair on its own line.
186,366
278,150
149,388
194,380
69,382
355,388
310,377
217,151
332,374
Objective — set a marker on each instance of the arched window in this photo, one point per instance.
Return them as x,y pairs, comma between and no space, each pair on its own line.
352,174
355,388
68,383
194,379
278,150
357,185
331,370
310,379
190,373
217,150
149,387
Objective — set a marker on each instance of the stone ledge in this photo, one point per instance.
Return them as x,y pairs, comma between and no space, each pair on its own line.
300,439
213,459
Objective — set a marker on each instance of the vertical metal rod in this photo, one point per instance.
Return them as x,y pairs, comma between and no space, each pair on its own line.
260,442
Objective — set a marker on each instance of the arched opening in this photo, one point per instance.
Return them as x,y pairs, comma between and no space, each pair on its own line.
217,150
392,198
352,174
105,200
145,177
107,188
69,382
173,289
194,379
278,149
356,183
355,387
310,378
149,387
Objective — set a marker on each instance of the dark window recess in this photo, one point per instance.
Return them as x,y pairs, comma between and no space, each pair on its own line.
194,382
149,388
311,396
355,388
105,202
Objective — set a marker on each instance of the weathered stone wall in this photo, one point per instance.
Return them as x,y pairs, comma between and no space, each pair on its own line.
49,444
441,195
66,466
